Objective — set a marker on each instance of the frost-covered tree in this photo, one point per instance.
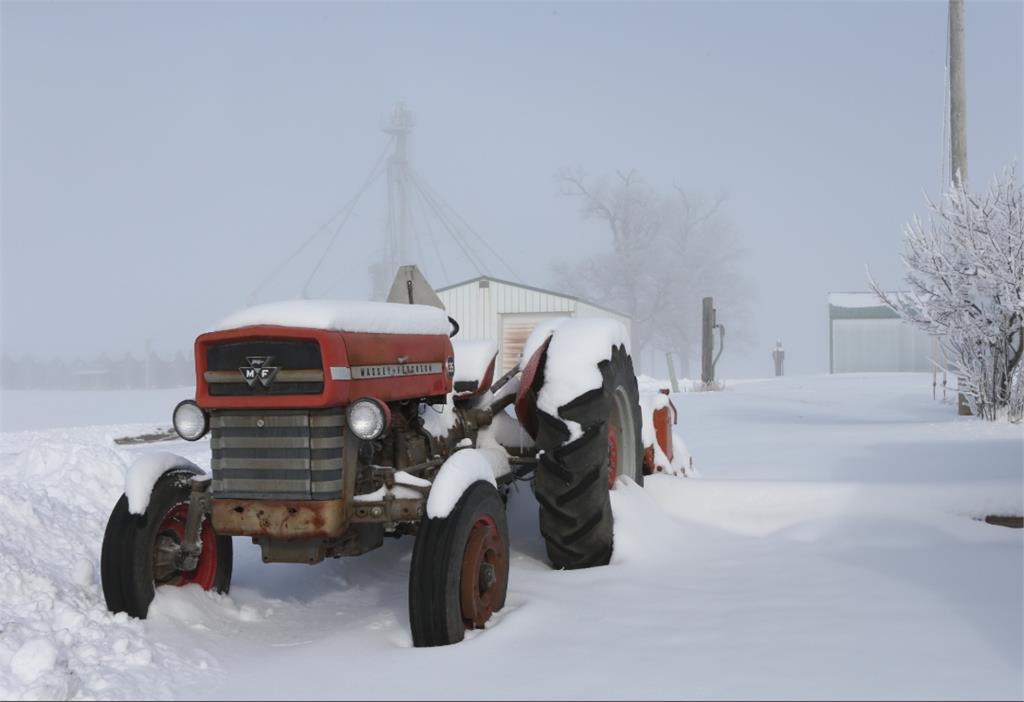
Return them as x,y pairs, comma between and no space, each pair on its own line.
667,252
965,269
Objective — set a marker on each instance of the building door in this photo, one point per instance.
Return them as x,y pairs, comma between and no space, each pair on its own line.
515,330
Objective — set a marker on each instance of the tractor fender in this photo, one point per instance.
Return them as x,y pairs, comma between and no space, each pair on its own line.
147,469
458,473
530,382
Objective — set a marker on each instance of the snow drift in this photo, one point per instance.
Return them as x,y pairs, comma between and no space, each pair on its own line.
831,549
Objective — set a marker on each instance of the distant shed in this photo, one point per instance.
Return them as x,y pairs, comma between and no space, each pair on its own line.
487,308
864,335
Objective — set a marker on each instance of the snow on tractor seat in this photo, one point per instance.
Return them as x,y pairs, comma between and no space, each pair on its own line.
472,359
343,315
577,347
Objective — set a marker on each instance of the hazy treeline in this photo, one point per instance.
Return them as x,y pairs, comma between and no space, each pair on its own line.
669,250
101,372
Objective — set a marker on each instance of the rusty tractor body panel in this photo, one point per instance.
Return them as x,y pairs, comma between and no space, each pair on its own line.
281,519
664,419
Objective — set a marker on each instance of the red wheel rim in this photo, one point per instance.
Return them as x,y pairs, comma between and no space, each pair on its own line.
613,456
172,527
483,579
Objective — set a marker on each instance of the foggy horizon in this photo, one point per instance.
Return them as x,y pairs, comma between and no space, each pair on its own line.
159,161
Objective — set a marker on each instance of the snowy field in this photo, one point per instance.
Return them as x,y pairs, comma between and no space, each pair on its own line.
830,548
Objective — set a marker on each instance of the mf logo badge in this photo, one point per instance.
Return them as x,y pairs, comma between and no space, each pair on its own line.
259,371
450,366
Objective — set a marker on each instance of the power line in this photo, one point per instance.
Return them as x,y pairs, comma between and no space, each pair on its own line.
404,185
374,175
473,257
472,231
433,241
411,221
350,204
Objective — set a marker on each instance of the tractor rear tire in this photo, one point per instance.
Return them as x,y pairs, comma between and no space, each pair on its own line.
573,477
129,566
459,572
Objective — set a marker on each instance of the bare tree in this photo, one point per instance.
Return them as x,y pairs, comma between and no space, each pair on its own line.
965,268
667,252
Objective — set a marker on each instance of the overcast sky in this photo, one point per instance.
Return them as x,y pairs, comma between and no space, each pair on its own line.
159,159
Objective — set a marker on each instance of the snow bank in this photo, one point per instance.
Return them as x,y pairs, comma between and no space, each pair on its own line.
577,347
760,508
33,659
57,639
462,469
685,384
344,315
831,552
142,475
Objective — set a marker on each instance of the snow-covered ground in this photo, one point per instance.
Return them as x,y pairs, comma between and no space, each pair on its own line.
830,549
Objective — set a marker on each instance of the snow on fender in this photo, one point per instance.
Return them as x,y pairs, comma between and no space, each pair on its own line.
142,475
462,469
575,349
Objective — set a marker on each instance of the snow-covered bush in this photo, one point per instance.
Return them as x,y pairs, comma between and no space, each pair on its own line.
966,276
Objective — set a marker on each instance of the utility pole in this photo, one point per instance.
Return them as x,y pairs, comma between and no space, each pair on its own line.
671,371
957,93
148,379
957,120
707,339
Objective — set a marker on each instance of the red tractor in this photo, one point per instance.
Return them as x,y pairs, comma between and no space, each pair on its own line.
333,425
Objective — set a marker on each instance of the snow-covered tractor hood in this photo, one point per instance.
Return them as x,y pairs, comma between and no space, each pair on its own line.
324,353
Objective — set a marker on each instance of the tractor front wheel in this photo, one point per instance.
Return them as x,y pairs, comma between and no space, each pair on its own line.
140,551
459,572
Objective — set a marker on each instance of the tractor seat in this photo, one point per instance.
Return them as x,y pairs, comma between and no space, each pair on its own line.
474,367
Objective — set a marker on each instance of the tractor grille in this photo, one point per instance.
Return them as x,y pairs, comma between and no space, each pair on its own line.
277,454
297,368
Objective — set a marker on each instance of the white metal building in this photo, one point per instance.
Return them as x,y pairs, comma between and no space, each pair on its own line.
865,335
487,308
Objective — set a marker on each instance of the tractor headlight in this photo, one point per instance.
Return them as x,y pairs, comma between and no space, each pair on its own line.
368,418
190,421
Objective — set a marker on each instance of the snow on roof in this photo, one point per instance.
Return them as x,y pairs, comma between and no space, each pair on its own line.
343,315
855,299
